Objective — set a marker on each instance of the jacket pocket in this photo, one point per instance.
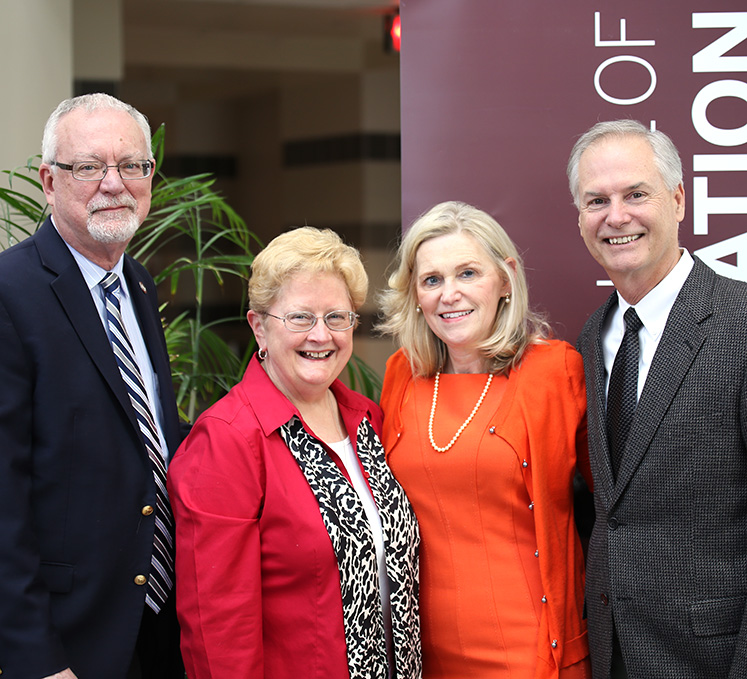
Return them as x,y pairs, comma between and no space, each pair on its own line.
717,617
57,576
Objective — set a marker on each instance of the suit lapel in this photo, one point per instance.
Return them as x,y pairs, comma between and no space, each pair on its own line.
597,400
681,341
148,321
74,297
144,300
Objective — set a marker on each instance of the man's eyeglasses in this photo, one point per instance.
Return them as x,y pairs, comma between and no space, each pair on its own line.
303,321
95,170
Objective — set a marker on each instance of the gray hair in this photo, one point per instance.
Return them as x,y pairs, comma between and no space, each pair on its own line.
666,156
90,103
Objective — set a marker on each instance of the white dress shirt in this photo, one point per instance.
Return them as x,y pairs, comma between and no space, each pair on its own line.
653,310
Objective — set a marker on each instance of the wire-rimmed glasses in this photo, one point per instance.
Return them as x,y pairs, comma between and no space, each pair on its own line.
303,321
95,170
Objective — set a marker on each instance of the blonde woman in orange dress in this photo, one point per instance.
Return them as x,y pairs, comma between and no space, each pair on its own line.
485,427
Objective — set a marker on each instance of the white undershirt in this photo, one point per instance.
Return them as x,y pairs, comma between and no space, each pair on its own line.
345,452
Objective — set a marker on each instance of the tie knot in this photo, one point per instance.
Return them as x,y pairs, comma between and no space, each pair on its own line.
632,322
110,283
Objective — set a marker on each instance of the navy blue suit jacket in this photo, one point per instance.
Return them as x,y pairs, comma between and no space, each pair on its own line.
74,474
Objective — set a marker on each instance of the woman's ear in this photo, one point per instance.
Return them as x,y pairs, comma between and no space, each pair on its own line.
511,264
255,323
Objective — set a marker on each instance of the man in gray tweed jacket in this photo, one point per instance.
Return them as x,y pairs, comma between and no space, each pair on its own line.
667,565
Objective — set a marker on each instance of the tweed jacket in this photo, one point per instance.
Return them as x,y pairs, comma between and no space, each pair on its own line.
668,555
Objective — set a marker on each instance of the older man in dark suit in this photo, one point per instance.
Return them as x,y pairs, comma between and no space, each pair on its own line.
87,418
666,378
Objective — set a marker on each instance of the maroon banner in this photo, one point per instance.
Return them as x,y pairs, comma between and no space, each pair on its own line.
494,95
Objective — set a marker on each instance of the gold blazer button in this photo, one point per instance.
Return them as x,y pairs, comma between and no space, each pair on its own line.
140,579
147,510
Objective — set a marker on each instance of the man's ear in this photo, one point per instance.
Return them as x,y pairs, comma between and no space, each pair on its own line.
47,177
679,199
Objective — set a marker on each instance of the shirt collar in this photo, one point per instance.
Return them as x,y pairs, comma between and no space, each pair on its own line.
273,409
654,308
93,273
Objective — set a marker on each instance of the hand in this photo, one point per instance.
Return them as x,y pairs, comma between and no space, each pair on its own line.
65,674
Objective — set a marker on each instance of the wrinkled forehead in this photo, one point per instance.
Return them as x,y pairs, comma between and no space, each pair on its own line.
102,132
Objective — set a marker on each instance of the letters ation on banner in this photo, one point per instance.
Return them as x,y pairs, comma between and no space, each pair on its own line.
711,59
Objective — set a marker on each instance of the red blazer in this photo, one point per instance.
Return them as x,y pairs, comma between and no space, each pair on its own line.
545,423
258,585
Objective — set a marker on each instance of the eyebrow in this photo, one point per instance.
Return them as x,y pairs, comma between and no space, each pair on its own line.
627,189
471,263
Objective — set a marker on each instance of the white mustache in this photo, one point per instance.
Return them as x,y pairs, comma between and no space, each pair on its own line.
97,204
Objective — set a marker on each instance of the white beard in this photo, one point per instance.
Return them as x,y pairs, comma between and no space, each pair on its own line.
115,229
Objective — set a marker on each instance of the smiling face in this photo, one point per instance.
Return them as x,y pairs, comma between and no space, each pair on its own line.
628,218
459,287
303,364
97,218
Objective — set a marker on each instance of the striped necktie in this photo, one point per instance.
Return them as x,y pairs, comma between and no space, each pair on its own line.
161,577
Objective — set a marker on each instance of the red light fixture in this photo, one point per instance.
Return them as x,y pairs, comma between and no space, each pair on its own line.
396,33
392,32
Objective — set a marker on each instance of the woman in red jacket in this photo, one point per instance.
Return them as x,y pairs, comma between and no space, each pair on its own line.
296,550
484,427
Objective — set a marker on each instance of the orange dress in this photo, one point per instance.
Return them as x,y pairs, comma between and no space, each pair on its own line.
483,595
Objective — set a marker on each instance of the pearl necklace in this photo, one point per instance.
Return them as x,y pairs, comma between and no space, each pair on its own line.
466,422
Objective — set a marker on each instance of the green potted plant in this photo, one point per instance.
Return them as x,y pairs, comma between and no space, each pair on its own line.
190,235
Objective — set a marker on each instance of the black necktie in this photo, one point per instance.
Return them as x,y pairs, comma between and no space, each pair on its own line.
622,395
161,577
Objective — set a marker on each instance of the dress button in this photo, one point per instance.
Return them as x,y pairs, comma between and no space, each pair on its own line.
554,643
492,430
536,553
544,599
531,505
605,599
140,579
147,510
525,464
612,523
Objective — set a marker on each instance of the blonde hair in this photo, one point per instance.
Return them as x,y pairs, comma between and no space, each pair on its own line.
305,250
515,326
